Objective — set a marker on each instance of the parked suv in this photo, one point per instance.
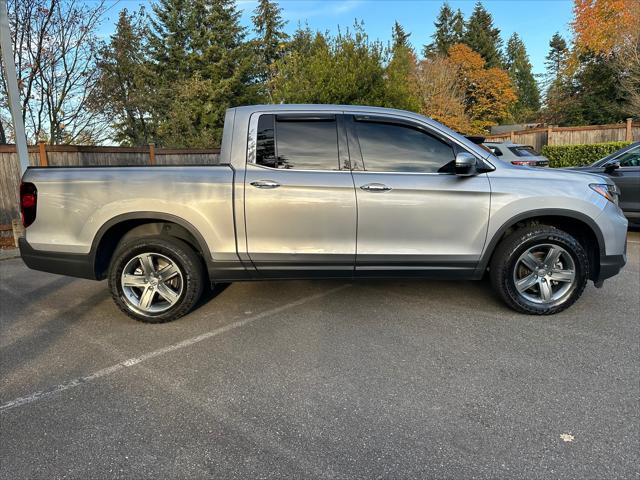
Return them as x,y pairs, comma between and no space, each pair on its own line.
517,154
318,191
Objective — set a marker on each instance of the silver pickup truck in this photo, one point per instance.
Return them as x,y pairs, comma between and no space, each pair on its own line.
325,191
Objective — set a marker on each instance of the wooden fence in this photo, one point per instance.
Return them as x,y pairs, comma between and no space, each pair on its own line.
76,155
538,137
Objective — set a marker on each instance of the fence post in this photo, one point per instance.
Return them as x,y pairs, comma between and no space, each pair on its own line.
42,148
152,154
549,132
512,136
628,135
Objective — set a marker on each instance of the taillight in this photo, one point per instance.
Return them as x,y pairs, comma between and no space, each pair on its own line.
28,203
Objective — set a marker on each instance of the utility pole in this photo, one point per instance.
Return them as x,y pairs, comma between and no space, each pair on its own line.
12,86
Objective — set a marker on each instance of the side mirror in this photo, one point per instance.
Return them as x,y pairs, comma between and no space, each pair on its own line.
611,167
465,164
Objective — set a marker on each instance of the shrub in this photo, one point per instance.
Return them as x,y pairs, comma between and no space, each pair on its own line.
578,155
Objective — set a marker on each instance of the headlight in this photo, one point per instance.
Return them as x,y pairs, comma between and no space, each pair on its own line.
610,192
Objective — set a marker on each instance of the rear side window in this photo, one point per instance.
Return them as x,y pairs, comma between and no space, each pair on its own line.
305,144
524,151
388,147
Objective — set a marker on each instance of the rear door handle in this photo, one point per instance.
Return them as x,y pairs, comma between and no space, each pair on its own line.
375,187
265,184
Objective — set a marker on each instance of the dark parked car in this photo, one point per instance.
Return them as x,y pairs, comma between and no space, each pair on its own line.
623,167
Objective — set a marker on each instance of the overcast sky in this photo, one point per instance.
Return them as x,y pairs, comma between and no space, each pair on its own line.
534,20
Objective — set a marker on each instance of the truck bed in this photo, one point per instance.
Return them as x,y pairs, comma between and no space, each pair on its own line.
83,199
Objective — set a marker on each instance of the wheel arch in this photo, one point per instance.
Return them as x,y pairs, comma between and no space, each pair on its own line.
581,226
139,224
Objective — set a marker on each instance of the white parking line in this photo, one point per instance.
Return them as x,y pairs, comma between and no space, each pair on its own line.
161,351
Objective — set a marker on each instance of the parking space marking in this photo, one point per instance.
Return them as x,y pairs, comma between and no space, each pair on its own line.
161,351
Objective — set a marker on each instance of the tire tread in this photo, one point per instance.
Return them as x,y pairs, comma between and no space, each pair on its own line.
193,273
500,266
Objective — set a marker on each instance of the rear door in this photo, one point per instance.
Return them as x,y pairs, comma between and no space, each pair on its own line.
415,216
300,204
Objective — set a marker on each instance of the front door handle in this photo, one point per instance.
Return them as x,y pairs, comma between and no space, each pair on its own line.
265,184
375,187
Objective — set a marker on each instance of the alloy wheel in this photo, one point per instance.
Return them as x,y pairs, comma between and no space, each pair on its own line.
152,283
545,274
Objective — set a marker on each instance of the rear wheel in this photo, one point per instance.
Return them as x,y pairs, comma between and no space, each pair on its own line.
539,270
156,279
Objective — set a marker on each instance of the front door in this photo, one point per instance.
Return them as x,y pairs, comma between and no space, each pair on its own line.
627,177
300,204
415,216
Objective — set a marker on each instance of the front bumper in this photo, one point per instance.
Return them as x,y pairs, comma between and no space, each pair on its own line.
71,264
610,265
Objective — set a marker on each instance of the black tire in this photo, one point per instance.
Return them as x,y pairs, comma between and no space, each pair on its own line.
192,276
505,261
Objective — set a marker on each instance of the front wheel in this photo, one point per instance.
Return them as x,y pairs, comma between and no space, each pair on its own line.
156,279
539,270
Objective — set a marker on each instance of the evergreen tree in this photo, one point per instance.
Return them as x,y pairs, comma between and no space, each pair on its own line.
203,66
483,37
400,73
400,38
123,87
170,38
558,86
302,41
345,69
557,56
600,98
449,31
526,87
270,40
457,27
592,96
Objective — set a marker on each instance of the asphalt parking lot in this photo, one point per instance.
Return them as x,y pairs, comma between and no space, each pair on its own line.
322,379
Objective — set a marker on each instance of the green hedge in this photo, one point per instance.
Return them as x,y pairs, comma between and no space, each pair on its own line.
578,155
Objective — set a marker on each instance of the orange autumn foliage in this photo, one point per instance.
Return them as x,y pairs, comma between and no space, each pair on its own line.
440,94
603,26
489,92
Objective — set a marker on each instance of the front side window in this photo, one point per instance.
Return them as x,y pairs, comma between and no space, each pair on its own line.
301,144
630,158
388,147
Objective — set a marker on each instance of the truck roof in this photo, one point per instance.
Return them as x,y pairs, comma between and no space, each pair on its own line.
326,107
